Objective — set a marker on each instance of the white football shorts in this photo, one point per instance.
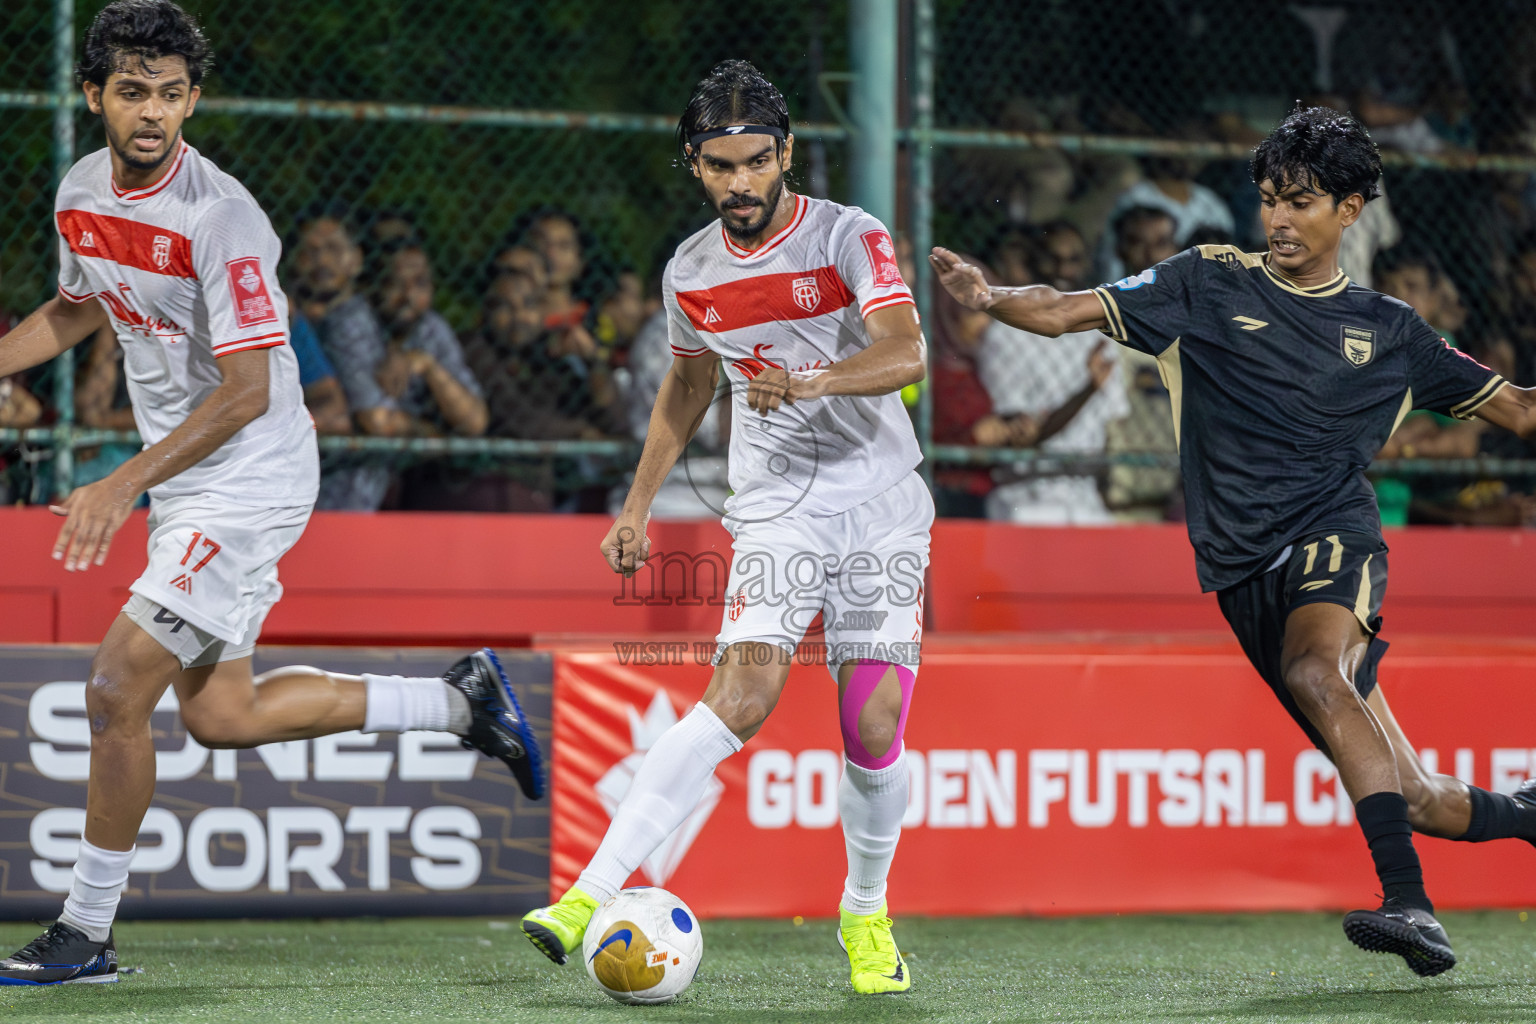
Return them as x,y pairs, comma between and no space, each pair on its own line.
861,569
212,575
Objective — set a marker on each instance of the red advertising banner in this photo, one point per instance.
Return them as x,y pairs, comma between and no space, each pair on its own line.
1048,779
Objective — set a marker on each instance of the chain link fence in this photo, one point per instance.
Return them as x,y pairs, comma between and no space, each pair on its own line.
520,154
1080,143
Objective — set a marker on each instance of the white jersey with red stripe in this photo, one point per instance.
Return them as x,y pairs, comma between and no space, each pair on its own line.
187,271
796,302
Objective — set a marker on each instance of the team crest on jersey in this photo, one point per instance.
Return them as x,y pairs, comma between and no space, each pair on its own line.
162,251
807,293
249,292
1357,344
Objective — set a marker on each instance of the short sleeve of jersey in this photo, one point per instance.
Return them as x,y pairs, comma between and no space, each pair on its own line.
72,284
866,261
681,334
234,254
1442,378
1149,311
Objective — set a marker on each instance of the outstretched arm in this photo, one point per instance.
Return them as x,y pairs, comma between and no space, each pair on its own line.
56,325
1512,408
1037,308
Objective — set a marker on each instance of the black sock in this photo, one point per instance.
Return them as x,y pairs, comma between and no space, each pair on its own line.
1496,816
1383,818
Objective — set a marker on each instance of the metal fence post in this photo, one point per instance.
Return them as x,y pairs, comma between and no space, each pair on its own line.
921,150
63,158
873,32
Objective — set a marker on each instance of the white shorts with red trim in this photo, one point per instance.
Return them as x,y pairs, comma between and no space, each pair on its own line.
862,570
213,563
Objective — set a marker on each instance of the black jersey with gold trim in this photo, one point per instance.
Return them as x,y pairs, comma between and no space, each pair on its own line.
1282,395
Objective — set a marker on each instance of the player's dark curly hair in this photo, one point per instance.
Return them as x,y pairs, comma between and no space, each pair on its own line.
145,30
734,92
1320,148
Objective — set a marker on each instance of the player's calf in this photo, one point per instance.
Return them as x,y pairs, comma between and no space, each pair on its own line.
1498,816
872,799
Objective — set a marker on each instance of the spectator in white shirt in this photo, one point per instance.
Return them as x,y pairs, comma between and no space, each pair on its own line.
1170,186
1067,389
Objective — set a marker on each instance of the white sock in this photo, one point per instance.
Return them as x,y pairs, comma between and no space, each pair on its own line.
400,703
100,876
871,804
664,792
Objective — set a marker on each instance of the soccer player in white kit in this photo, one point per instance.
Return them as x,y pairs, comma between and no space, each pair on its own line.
801,302
177,256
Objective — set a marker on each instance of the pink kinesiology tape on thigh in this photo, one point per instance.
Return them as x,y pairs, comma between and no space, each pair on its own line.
867,676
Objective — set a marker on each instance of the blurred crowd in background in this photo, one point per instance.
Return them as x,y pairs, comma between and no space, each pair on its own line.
523,318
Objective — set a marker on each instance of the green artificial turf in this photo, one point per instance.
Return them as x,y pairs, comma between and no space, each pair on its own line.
1282,967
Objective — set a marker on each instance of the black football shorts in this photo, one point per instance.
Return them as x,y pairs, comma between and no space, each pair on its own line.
1348,569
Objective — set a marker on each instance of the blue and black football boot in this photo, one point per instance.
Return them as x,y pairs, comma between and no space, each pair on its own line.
60,956
497,727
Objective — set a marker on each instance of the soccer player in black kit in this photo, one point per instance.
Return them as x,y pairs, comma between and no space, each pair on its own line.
1286,380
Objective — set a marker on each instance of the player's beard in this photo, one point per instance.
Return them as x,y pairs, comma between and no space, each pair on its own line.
138,161
750,230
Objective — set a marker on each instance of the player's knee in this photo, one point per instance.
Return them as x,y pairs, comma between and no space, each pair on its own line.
743,711
106,701
115,696
877,733
874,713
1317,684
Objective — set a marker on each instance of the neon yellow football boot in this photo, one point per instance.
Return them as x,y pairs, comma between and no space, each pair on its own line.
875,964
556,930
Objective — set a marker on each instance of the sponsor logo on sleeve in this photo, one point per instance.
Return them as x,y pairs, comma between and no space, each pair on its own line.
248,290
882,259
1130,284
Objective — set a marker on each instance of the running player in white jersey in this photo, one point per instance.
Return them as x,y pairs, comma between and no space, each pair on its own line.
177,256
801,303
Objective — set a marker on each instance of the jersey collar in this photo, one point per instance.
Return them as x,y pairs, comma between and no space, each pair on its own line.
137,195
774,240
1321,291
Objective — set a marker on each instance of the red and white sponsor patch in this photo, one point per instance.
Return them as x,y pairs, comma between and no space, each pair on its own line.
248,289
882,258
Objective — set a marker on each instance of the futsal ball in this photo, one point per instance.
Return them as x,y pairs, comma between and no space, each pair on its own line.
643,946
